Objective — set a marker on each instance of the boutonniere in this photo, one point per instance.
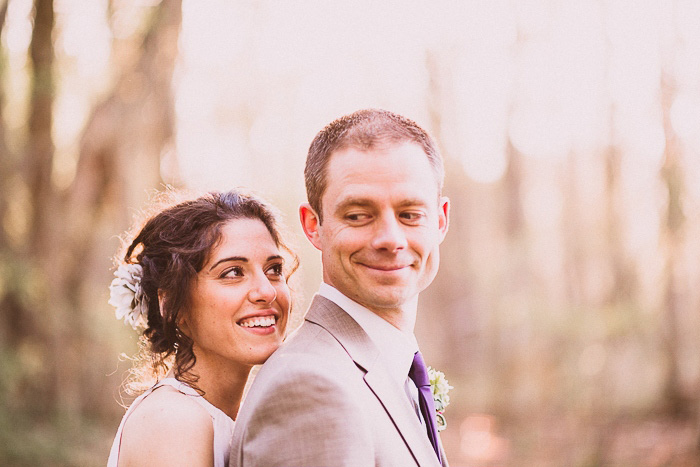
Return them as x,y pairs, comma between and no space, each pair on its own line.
440,389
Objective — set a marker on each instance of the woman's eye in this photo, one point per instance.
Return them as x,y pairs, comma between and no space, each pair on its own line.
233,272
275,270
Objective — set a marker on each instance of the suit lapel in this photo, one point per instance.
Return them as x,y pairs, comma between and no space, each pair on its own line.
365,354
406,421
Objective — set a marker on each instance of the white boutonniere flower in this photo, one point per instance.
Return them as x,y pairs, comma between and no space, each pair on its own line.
126,295
440,389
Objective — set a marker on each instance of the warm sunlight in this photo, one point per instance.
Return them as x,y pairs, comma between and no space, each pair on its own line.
565,308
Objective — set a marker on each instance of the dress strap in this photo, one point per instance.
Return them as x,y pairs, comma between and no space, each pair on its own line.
223,424
213,411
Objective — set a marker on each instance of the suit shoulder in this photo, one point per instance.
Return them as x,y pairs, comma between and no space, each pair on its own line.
313,351
312,368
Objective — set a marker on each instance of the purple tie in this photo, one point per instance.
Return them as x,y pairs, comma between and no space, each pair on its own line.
419,374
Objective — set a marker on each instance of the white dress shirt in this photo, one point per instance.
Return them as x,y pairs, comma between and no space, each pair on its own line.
397,347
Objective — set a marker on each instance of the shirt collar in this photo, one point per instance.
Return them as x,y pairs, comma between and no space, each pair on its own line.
397,347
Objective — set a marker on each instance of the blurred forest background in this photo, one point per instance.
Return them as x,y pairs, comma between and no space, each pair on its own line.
566,313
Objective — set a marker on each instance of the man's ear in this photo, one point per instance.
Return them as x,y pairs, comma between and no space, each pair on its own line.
310,224
443,216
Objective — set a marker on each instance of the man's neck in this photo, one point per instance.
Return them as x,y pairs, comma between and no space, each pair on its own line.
402,318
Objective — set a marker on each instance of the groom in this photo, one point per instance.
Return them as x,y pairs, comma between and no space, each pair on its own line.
341,390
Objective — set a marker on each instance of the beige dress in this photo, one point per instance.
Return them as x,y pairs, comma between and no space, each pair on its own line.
223,425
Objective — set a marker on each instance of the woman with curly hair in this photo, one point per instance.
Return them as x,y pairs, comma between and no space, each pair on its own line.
206,280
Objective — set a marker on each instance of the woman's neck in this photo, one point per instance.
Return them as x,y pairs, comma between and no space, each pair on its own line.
223,386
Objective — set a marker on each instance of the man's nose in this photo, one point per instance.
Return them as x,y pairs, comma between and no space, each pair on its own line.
389,234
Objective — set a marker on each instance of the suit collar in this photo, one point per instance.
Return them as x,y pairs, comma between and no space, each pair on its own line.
365,354
397,347
346,331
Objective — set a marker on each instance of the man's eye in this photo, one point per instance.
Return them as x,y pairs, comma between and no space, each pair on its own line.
412,216
357,217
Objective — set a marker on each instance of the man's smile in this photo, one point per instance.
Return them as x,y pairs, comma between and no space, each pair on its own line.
385,267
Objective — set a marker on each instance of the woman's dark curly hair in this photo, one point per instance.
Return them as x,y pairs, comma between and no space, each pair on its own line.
172,247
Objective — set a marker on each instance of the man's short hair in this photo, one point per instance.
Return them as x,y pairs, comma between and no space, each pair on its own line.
363,130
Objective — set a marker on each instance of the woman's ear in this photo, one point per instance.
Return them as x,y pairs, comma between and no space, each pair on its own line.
181,320
161,301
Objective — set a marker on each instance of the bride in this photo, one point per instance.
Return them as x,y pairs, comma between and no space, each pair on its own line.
206,280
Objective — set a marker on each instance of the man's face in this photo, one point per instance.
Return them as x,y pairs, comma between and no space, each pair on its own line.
383,222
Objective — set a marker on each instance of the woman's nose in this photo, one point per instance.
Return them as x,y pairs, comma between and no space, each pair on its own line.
262,291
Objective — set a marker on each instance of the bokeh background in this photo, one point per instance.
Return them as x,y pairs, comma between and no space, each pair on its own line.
566,313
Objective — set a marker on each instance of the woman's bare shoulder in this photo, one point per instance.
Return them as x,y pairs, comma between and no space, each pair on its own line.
167,428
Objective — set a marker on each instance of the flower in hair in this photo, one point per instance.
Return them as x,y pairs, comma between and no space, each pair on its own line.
440,389
127,296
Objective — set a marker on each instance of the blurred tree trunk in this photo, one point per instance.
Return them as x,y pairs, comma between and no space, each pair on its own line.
623,285
512,183
672,235
10,309
511,344
448,299
573,228
676,401
17,323
40,149
120,153
119,160
122,143
4,150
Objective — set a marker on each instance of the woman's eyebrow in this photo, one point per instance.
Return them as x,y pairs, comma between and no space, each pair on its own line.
242,259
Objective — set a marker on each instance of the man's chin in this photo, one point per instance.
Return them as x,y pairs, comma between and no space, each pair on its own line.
388,302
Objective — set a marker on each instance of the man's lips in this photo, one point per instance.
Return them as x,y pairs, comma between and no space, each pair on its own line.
385,267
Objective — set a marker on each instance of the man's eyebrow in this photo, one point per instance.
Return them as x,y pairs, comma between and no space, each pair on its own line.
359,202
364,202
241,259
411,202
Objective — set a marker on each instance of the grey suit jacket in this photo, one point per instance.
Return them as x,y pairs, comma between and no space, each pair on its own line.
324,399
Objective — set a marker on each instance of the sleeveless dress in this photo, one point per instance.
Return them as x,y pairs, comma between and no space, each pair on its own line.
223,425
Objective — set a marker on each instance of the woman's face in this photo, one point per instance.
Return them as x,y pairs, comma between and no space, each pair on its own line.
240,300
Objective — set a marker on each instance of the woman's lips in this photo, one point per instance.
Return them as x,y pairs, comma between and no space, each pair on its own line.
261,322
258,321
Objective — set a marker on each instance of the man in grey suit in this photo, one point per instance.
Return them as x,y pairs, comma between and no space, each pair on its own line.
338,391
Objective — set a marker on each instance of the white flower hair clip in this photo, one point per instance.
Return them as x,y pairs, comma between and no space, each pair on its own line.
440,389
127,296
